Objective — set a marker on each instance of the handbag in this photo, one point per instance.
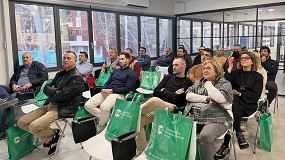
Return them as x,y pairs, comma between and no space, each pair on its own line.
83,125
266,132
124,146
83,129
20,142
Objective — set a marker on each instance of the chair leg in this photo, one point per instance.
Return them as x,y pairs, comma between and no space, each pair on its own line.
62,135
255,142
233,144
90,157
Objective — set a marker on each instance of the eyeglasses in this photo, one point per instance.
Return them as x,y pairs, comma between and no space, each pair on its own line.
207,68
245,58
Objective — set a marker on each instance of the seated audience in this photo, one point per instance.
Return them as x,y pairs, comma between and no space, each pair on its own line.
271,66
120,83
85,68
197,59
169,93
166,59
112,60
181,53
144,59
196,72
219,57
63,98
235,57
135,65
27,77
209,103
247,86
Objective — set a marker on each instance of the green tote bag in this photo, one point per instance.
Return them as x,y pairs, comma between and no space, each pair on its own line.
266,132
150,79
170,137
124,119
20,142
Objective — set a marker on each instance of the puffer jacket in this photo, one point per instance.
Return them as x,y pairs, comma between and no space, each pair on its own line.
65,90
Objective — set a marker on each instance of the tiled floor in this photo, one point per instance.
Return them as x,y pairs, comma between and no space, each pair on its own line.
68,150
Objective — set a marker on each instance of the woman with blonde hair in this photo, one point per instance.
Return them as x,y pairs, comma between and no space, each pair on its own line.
209,103
263,72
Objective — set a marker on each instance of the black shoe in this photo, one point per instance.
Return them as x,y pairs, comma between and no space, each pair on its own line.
48,144
241,141
53,143
222,152
2,136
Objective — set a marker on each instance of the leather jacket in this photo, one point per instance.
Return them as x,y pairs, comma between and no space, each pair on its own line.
65,90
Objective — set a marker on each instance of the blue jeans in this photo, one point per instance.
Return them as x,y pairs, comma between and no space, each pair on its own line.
5,92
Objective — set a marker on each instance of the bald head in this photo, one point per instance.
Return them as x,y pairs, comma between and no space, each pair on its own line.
27,59
179,66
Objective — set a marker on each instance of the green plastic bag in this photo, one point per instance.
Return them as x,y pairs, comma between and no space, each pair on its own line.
41,97
266,132
170,136
103,77
150,79
20,142
124,119
82,113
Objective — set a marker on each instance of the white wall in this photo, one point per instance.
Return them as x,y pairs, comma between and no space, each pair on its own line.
157,7
205,5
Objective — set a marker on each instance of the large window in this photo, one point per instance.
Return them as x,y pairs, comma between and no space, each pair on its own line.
104,34
148,35
184,34
35,33
74,31
47,31
129,33
165,35
196,36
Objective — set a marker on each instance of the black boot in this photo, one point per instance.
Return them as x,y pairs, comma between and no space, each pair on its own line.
53,143
224,149
241,141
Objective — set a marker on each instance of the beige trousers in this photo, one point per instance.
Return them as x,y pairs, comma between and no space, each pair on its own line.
106,104
147,116
37,122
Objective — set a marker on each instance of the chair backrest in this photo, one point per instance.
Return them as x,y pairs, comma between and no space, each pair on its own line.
163,70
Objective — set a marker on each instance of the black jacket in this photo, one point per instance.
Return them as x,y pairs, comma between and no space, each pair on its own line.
67,90
188,60
271,66
197,60
37,75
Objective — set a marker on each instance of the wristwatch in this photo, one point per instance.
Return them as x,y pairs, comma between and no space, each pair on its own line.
111,92
239,94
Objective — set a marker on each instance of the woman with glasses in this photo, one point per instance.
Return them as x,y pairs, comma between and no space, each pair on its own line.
209,103
247,87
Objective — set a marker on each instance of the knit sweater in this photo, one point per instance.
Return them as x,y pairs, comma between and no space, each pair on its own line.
121,81
171,84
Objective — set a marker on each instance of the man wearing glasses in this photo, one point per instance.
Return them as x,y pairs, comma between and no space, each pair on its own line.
220,58
197,59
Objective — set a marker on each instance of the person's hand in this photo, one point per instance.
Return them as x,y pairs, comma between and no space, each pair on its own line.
103,68
27,86
231,61
180,91
106,92
263,58
235,92
16,88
